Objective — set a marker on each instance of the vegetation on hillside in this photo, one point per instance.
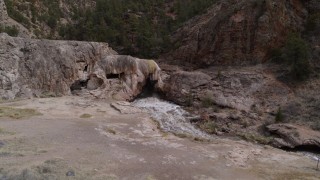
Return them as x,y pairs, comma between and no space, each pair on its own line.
295,54
11,30
137,27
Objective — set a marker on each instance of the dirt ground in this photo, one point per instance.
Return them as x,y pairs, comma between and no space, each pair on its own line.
81,138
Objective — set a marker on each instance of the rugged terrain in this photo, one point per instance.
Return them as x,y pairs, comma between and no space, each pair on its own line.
232,68
234,71
238,32
62,143
38,68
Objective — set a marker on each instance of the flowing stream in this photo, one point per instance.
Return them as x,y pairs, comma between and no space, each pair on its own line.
171,117
174,119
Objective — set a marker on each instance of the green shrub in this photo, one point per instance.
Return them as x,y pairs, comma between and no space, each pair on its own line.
313,22
209,127
276,56
10,30
316,125
279,116
296,54
85,116
207,99
16,15
189,99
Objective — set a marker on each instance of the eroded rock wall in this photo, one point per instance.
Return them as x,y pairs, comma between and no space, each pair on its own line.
237,32
31,67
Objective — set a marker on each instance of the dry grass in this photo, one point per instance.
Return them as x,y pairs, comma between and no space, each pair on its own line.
111,131
209,127
4,132
255,138
86,116
16,113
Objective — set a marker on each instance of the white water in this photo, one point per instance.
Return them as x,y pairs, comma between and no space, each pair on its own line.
313,156
171,117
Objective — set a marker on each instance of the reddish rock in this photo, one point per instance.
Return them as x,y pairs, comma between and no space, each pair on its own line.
237,32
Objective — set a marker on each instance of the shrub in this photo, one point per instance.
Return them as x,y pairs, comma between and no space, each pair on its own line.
209,127
313,22
16,15
207,100
85,116
10,30
316,125
276,56
296,54
279,116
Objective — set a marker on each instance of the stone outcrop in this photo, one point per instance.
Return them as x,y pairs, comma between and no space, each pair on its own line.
293,136
31,67
126,76
236,99
179,86
237,32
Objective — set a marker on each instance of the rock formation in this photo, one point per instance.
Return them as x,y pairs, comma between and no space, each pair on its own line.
128,74
293,136
242,99
237,32
38,67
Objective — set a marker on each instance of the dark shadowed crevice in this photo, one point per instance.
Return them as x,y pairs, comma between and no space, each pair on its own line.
148,89
115,76
78,85
85,68
304,148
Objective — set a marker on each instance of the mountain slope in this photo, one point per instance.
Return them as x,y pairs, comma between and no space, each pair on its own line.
238,32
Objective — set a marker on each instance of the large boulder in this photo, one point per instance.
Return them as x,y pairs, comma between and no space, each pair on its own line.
180,86
236,32
293,136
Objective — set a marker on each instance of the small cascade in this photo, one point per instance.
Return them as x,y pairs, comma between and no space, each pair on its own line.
171,117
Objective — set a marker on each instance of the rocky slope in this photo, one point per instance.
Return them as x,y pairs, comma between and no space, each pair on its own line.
242,101
252,92
6,21
237,32
31,67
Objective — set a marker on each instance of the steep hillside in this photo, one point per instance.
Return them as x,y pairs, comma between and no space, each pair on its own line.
9,25
139,28
238,32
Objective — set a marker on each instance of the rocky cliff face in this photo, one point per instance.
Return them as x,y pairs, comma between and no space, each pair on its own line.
40,67
237,32
31,67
